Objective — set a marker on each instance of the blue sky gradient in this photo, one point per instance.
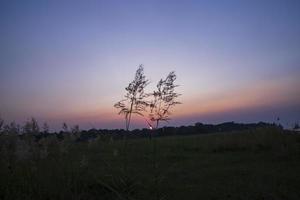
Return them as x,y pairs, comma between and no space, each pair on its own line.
71,60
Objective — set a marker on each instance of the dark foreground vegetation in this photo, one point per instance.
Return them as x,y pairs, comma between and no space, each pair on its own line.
254,162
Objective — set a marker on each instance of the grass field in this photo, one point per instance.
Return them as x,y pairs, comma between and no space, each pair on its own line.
252,164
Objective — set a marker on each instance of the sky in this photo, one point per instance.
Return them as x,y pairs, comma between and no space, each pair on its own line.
70,61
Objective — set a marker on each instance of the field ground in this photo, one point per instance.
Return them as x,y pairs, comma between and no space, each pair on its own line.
253,164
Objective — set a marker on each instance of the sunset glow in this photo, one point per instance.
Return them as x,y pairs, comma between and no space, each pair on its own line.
65,61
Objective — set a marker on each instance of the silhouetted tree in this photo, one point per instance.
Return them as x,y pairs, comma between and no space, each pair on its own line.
134,102
75,129
296,126
11,128
45,128
65,127
164,98
31,126
1,124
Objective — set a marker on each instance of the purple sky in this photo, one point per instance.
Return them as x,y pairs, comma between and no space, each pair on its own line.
71,60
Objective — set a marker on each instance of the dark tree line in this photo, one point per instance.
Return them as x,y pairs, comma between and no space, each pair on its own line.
31,128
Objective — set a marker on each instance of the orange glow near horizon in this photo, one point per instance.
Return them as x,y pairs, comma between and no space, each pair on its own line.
261,94
264,93
101,113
